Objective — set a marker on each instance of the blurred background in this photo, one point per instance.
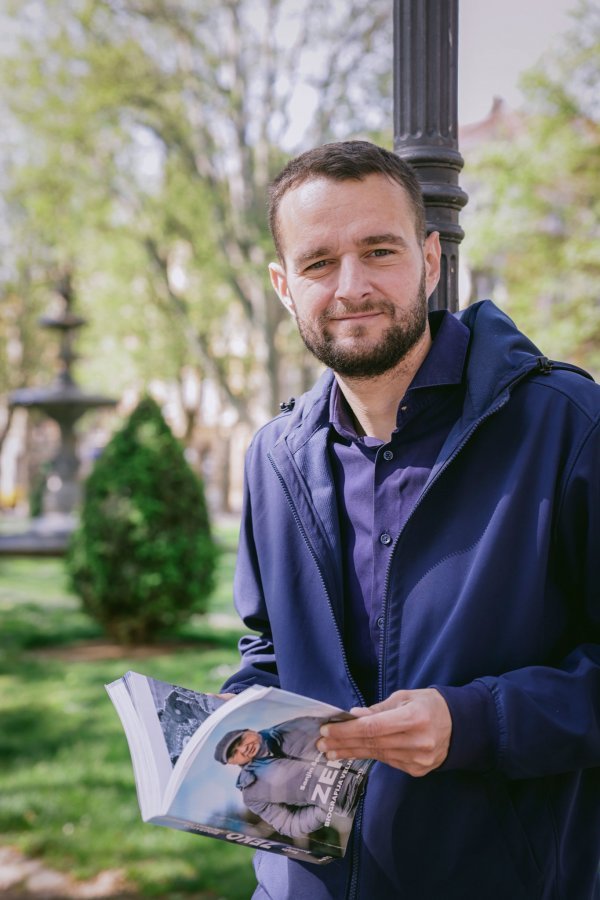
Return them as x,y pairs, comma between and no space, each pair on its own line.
138,138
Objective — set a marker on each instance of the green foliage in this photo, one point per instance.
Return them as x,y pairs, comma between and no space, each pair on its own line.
143,557
534,226
152,184
67,787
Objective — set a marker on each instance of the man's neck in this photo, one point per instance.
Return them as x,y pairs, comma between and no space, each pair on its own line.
374,401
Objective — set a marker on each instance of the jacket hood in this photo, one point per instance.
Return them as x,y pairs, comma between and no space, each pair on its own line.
499,355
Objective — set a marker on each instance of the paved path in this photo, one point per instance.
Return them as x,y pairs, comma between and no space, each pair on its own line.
22,879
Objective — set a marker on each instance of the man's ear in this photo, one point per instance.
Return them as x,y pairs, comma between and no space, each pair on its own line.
432,253
280,285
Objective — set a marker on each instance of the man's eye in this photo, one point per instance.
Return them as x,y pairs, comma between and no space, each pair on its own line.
320,264
381,251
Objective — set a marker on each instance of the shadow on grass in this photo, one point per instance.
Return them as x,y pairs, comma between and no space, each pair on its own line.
32,733
27,625
66,780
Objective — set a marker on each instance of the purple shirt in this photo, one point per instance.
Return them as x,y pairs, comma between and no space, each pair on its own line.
377,485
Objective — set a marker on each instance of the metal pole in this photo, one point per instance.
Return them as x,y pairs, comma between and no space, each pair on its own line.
426,122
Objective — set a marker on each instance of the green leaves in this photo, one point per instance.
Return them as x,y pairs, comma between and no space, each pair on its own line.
535,224
143,558
147,133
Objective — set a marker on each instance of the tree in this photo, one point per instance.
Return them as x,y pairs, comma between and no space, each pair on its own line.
158,123
535,225
142,559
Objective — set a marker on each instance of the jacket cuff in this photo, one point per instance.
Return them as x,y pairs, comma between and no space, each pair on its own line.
475,737
248,676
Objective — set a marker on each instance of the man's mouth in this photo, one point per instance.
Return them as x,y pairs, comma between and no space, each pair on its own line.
353,316
356,315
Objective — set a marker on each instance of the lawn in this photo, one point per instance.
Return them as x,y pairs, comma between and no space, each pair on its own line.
66,785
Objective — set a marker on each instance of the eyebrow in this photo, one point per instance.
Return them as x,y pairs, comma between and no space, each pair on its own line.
370,240
387,237
315,253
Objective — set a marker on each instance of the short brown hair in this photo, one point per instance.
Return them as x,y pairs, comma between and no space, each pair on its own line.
341,161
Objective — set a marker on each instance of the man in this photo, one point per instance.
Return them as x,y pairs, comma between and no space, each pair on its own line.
419,543
286,781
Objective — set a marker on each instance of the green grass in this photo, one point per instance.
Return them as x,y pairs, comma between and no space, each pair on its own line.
67,794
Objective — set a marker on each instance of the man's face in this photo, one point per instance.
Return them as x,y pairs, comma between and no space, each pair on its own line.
246,750
355,277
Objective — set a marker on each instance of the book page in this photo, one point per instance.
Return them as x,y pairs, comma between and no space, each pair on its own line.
142,758
171,715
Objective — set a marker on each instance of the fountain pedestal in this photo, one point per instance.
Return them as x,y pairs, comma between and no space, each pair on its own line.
64,402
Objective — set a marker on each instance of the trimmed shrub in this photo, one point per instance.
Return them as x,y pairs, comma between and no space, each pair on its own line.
142,559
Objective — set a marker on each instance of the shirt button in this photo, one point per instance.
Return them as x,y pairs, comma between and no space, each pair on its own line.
387,454
380,622
385,539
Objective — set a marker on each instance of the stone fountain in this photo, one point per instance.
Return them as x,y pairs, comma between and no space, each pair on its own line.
64,402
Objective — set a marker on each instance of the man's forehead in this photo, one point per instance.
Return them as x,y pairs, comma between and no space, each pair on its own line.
314,213
313,188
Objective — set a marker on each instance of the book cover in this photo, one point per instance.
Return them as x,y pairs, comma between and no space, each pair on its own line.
245,770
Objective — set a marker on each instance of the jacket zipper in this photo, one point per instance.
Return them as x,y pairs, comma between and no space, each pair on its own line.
354,864
544,366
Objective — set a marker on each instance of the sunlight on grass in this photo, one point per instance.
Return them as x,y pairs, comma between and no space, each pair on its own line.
66,781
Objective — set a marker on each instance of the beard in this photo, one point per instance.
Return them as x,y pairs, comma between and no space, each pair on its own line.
369,360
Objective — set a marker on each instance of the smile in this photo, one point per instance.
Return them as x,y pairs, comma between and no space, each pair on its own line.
357,317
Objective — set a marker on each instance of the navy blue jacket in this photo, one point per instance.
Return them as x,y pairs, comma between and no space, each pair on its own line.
492,595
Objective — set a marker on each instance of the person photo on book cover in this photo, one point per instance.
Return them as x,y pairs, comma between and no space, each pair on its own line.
286,781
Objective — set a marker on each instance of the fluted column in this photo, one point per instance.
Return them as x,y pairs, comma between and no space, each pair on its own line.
426,122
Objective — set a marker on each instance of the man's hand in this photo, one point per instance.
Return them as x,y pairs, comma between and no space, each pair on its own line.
410,731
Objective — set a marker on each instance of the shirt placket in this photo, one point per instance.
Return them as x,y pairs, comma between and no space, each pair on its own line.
384,530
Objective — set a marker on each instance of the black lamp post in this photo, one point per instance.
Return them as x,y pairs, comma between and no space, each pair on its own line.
426,122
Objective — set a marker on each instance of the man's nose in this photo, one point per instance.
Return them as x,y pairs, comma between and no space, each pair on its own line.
353,279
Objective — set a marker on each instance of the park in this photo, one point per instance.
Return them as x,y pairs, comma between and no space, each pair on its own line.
141,347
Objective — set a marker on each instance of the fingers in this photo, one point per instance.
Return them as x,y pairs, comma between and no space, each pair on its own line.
371,723
395,700
409,730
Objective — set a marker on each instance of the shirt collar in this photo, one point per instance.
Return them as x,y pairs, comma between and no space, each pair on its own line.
445,362
443,365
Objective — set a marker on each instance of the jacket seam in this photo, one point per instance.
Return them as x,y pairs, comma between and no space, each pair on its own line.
502,724
576,457
571,398
461,552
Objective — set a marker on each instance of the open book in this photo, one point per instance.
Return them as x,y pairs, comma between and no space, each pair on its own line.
244,770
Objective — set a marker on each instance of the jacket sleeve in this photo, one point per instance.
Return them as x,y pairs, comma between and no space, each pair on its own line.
543,720
293,821
258,665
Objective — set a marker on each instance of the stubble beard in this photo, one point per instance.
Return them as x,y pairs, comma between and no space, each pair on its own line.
405,330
